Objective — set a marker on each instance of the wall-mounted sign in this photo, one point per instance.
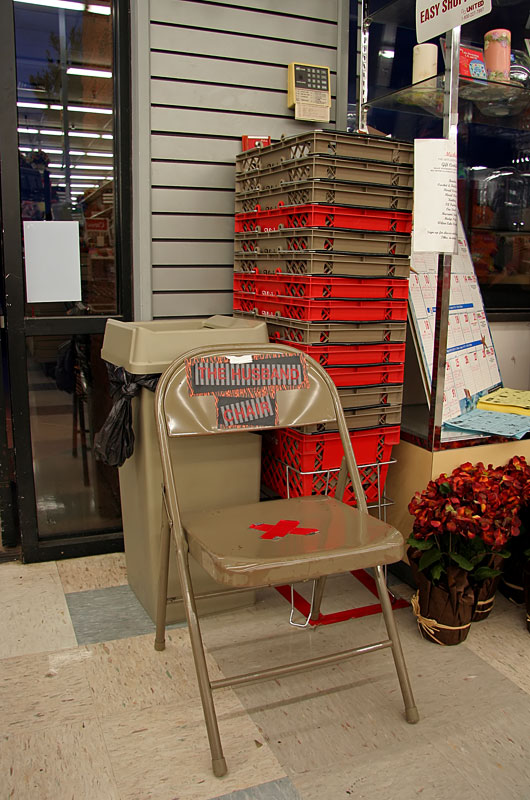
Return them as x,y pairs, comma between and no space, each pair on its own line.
52,261
433,19
435,196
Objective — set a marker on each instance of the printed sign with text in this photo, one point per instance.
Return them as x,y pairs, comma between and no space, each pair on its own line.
433,19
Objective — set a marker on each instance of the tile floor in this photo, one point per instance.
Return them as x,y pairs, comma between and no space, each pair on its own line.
88,709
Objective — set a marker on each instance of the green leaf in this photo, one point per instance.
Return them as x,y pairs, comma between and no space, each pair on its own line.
444,489
436,572
461,561
429,557
420,544
506,553
482,573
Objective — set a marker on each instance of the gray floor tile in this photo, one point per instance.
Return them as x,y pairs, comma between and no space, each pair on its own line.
273,790
100,615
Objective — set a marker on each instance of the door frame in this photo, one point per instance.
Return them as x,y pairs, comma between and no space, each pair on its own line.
19,327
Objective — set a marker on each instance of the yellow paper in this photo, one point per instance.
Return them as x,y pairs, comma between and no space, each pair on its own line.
510,401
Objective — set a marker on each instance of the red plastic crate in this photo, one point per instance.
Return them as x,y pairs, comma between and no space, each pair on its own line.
313,286
350,354
309,215
308,452
366,375
320,451
315,310
285,482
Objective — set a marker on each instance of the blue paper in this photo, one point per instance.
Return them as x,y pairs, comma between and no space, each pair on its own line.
495,423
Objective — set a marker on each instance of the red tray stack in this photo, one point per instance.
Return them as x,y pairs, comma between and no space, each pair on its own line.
322,246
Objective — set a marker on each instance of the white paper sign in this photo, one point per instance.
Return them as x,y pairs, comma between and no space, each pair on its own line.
435,196
53,268
433,19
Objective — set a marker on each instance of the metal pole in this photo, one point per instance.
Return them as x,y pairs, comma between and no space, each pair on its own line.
362,64
450,127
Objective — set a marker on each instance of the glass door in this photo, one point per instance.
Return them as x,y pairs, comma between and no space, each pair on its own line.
65,159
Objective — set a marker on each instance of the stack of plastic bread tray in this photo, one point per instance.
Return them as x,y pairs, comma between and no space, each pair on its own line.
322,247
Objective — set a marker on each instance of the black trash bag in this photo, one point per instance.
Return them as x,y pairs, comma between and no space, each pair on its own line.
114,443
65,367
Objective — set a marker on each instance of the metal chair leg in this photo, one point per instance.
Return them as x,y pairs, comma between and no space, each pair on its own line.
161,602
317,600
210,717
411,712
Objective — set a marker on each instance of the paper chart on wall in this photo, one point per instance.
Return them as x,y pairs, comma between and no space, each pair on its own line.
471,364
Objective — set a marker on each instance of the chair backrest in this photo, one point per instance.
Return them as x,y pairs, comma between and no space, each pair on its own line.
231,388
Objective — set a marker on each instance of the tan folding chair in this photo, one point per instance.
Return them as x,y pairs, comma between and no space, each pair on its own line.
255,387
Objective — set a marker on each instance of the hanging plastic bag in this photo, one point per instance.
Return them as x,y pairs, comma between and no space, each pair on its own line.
114,443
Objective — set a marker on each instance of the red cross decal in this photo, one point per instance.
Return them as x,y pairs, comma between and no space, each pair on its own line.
282,528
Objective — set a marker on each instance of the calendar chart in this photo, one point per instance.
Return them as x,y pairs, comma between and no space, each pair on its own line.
471,363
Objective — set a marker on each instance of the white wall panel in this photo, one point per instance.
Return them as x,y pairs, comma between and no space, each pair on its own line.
192,304
185,226
244,21
218,70
184,279
185,252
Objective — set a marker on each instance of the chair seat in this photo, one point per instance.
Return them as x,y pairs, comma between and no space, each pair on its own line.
236,554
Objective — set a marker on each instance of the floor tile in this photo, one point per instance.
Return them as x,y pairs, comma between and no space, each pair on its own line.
34,616
130,674
356,706
504,642
43,690
66,762
156,758
425,771
101,615
275,790
92,572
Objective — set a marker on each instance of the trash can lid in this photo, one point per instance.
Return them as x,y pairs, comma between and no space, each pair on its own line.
143,348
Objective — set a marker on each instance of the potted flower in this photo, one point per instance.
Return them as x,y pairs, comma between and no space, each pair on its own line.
462,523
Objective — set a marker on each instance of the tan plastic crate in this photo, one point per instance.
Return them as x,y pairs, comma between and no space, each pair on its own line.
327,192
331,143
332,264
324,167
323,239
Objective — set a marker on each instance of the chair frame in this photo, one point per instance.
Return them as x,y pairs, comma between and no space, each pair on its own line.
172,526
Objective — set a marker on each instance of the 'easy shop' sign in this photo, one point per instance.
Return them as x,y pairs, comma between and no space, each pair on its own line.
433,19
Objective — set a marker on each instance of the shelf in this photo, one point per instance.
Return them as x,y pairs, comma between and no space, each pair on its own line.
493,100
403,14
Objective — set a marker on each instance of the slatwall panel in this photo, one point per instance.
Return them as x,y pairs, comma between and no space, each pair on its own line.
218,71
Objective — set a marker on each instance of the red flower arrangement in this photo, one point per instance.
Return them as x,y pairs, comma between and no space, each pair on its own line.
468,517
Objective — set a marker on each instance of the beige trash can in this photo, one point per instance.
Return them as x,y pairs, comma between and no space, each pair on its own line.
210,474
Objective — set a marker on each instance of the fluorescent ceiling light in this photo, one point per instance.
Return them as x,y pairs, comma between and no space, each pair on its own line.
97,153
50,132
95,73
59,177
77,152
22,104
386,53
69,5
93,166
84,135
27,130
84,185
52,152
107,136
95,9
90,109
25,149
